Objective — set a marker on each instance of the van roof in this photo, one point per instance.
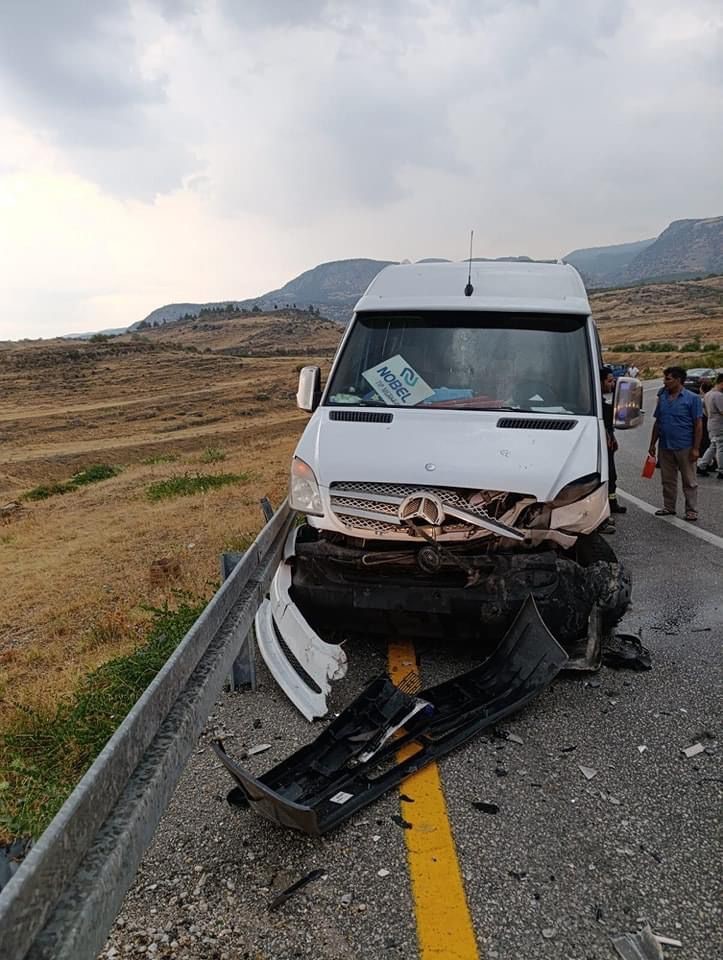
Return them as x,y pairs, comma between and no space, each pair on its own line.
518,286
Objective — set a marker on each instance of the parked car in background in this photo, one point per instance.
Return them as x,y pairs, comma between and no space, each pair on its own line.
619,369
692,381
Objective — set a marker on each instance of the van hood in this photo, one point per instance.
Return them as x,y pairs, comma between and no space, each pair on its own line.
474,449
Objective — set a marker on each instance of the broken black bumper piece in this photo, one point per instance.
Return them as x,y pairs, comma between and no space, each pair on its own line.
356,758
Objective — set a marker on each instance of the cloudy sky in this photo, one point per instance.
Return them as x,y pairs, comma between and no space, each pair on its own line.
191,150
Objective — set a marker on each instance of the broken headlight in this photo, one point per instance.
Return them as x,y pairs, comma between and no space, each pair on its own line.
572,492
304,493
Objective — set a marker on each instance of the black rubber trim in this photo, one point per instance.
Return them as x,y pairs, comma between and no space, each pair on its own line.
298,792
361,416
543,423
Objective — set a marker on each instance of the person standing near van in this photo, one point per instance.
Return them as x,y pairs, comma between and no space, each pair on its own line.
714,408
678,430
607,385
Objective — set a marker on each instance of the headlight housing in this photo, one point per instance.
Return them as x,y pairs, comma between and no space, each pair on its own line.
572,492
304,493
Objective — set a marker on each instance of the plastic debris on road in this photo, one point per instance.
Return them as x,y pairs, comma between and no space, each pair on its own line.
626,651
638,946
290,891
299,792
588,772
694,750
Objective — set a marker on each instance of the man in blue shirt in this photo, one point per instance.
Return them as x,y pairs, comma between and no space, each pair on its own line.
679,428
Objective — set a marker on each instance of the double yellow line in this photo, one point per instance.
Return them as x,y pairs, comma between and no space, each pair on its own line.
444,924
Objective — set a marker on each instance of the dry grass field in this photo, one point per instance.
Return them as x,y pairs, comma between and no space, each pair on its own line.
662,312
78,568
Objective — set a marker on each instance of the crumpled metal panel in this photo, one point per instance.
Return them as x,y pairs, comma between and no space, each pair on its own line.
354,760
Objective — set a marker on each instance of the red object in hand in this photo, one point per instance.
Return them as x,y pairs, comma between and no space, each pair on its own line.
649,467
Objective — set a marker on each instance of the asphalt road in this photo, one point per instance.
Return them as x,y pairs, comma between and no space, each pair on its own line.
578,859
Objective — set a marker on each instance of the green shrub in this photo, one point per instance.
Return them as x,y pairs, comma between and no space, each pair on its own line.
212,455
187,484
160,458
101,471
46,490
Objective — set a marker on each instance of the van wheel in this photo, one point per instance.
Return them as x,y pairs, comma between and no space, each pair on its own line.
593,548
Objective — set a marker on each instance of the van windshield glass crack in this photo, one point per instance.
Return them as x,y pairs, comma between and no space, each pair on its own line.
539,363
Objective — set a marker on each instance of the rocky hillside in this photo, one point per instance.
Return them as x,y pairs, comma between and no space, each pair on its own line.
244,333
600,265
331,288
685,249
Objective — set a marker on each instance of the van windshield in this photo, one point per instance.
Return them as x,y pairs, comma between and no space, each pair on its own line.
476,361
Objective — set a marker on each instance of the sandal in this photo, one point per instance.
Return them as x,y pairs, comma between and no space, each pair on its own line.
665,513
691,517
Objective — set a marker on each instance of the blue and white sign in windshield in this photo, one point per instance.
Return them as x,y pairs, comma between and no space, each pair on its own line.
397,383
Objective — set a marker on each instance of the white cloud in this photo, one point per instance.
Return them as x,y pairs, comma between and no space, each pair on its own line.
209,149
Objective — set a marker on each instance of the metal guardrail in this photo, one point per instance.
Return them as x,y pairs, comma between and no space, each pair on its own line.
63,899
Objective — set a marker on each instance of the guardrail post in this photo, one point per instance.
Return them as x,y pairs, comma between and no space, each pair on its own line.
243,669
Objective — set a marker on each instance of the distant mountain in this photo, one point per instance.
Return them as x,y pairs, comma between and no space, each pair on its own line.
599,266
332,288
686,248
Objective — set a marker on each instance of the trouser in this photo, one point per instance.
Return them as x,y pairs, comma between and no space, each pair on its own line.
714,452
672,462
612,475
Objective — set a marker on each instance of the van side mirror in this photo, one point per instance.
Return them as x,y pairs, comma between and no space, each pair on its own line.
309,392
628,403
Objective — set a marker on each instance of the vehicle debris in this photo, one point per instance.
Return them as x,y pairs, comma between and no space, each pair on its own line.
327,780
485,807
625,651
587,772
289,891
401,822
694,750
638,946
668,941
515,738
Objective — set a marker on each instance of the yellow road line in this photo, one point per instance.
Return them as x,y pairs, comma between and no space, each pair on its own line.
444,925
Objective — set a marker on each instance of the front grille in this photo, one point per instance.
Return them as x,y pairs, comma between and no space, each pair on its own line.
543,423
372,508
361,416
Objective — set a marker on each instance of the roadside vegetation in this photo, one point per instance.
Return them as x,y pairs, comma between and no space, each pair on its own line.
45,752
94,474
212,455
187,484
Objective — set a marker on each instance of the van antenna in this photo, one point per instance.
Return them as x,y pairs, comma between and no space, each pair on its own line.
469,289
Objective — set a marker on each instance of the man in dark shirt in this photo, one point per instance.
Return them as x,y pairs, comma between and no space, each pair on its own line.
679,428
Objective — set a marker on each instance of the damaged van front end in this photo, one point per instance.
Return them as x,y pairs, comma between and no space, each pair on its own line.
454,466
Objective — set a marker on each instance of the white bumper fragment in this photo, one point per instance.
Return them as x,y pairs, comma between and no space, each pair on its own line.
280,627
